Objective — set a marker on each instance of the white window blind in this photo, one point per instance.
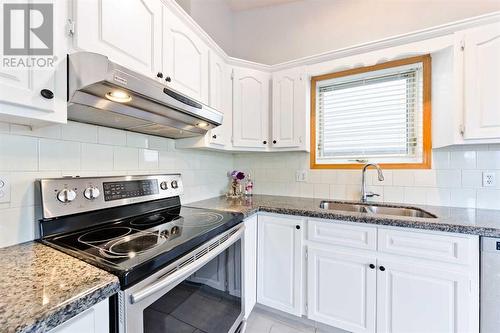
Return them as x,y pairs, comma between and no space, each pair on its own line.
374,116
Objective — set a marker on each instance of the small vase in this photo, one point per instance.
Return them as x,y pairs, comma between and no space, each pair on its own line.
235,189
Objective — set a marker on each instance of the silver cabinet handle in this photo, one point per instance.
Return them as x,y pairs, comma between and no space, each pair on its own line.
185,271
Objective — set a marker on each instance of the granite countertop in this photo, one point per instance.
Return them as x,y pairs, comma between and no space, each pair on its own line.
41,287
483,222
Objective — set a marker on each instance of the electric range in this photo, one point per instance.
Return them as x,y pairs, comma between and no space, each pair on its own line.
136,228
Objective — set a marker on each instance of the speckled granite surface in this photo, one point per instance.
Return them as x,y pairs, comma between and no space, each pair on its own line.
483,222
41,288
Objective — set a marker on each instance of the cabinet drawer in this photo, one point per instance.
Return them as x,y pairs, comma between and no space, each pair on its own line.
452,249
333,233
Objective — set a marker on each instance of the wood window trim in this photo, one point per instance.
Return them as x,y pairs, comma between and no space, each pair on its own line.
427,143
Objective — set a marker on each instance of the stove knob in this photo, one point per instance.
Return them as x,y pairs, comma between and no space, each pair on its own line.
66,195
163,185
174,184
91,192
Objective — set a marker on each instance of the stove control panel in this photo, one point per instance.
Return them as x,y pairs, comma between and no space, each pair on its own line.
72,195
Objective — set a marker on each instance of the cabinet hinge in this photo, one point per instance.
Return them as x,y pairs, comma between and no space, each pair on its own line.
307,254
71,27
461,129
462,45
232,74
306,307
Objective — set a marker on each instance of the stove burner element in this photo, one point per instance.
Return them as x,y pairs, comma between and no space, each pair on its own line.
104,235
134,245
204,219
146,220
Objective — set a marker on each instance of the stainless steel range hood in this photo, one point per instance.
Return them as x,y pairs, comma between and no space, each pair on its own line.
104,93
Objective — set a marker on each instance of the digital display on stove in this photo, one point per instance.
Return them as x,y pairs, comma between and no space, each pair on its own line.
129,189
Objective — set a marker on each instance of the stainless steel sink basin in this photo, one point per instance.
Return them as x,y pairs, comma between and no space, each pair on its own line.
375,209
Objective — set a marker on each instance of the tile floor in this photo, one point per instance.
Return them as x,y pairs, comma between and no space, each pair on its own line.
263,321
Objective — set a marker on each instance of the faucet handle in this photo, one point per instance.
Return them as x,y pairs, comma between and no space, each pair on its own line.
371,194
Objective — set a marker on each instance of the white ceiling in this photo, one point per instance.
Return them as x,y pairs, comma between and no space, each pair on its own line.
238,5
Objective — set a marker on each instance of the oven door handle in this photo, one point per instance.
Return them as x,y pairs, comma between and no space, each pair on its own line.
185,271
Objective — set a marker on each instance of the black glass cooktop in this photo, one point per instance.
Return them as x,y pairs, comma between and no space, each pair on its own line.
137,246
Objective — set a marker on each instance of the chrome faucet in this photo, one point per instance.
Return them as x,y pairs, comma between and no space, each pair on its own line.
365,195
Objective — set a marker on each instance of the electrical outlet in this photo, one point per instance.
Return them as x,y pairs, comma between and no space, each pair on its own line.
4,189
489,179
301,176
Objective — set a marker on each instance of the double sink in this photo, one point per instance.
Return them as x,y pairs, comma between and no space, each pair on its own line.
375,209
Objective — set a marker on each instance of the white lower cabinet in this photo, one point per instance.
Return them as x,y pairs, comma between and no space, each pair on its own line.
250,265
369,278
93,320
341,289
415,297
279,263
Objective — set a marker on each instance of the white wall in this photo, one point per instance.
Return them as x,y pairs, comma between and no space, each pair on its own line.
454,180
215,17
87,150
289,31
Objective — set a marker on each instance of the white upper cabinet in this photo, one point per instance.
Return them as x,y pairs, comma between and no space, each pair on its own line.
482,82
279,263
289,111
185,58
250,108
219,91
37,96
128,32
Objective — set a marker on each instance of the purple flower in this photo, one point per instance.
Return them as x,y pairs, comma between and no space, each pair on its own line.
237,175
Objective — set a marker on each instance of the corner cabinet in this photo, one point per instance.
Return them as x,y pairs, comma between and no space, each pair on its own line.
250,108
482,82
128,32
279,263
290,116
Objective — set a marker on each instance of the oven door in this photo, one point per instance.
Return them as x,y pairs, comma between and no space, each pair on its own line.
200,292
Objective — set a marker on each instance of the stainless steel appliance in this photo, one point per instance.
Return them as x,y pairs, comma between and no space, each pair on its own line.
489,308
179,267
104,93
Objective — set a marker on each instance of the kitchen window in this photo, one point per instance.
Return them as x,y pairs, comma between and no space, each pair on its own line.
375,114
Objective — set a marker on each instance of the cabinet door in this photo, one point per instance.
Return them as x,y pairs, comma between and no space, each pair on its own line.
481,82
219,78
279,263
93,320
414,298
21,100
341,289
289,109
185,58
250,265
250,108
128,32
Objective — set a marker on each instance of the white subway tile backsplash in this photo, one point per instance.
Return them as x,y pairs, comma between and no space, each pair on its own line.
74,131
158,143
488,199
393,194
463,159
17,225
413,195
111,136
58,155
403,177
440,159
137,140
438,196
472,178
488,159
18,153
125,158
338,191
51,132
96,157
321,191
148,159
463,198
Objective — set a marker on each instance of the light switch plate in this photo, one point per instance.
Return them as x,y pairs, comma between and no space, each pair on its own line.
489,179
4,189
301,175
